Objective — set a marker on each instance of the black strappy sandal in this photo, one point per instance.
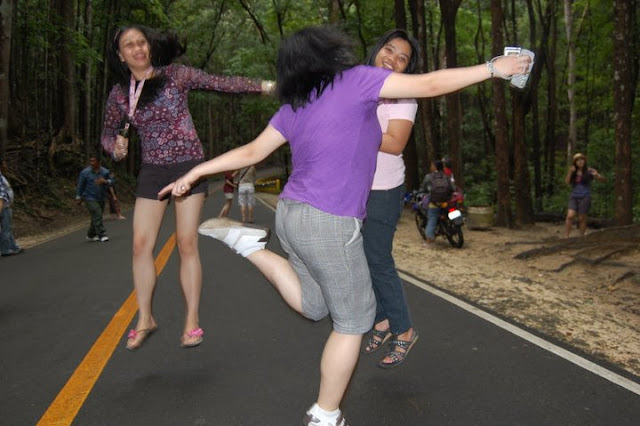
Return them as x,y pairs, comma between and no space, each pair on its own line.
374,344
396,356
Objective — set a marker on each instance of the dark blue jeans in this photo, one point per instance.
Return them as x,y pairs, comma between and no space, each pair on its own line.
383,213
7,242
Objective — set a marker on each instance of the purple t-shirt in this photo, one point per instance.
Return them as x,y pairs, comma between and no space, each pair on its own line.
334,143
166,130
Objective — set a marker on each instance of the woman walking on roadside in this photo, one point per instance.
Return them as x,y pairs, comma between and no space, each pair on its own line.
579,178
150,94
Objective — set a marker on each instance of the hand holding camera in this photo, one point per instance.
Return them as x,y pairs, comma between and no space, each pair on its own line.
121,148
520,80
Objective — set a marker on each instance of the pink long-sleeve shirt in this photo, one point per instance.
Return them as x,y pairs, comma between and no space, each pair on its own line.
165,127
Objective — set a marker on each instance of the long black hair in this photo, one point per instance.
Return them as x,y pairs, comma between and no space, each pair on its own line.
587,177
309,61
164,48
412,66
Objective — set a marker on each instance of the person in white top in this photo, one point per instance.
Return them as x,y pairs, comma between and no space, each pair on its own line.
397,51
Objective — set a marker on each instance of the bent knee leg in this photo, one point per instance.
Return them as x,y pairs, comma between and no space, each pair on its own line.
314,306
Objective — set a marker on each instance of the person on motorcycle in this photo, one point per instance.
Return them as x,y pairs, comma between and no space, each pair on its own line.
439,187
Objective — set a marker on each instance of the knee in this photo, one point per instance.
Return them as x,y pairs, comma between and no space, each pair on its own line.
315,313
142,246
187,246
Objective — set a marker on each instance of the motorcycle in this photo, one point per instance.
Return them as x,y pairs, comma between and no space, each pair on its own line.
451,218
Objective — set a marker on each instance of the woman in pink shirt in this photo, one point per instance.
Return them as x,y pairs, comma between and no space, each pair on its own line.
396,51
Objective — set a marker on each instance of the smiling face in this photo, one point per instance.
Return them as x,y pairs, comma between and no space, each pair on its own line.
134,49
394,55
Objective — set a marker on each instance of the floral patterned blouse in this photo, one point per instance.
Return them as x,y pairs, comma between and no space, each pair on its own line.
165,126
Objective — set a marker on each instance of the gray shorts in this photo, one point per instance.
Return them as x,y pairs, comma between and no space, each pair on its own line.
327,253
246,195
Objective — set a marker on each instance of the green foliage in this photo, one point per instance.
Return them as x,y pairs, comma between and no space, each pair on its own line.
223,38
480,194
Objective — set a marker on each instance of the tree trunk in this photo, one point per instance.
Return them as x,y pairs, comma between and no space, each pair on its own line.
449,10
6,18
334,11
399,14
89,142
521,178
522,100
69,104
483,99
623,95
550,142
571,77
426,115
503,210
535,130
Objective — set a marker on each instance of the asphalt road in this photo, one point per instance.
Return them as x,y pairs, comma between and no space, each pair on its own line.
66,306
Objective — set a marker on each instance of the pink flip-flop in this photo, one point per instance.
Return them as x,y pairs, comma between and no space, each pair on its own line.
197,333
133,334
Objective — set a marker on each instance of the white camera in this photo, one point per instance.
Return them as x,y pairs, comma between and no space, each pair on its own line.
520,80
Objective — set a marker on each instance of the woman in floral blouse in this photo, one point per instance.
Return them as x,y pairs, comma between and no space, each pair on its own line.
150,94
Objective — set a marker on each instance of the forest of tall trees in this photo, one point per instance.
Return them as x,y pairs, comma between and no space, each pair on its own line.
509,147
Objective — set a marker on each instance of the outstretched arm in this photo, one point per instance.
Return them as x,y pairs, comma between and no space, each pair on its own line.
444,81
255,151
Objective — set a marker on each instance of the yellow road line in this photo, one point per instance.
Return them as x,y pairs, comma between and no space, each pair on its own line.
65,407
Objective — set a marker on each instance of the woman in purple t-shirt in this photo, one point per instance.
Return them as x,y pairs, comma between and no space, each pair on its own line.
150,94
329,118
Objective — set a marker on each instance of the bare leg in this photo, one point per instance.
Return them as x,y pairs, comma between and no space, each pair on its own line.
225,209
243,212
338,362
280,273
569,223
147,218
582,221
187,219
341,350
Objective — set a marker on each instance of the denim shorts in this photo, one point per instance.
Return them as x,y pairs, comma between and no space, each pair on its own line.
580,205
152,178
327,253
